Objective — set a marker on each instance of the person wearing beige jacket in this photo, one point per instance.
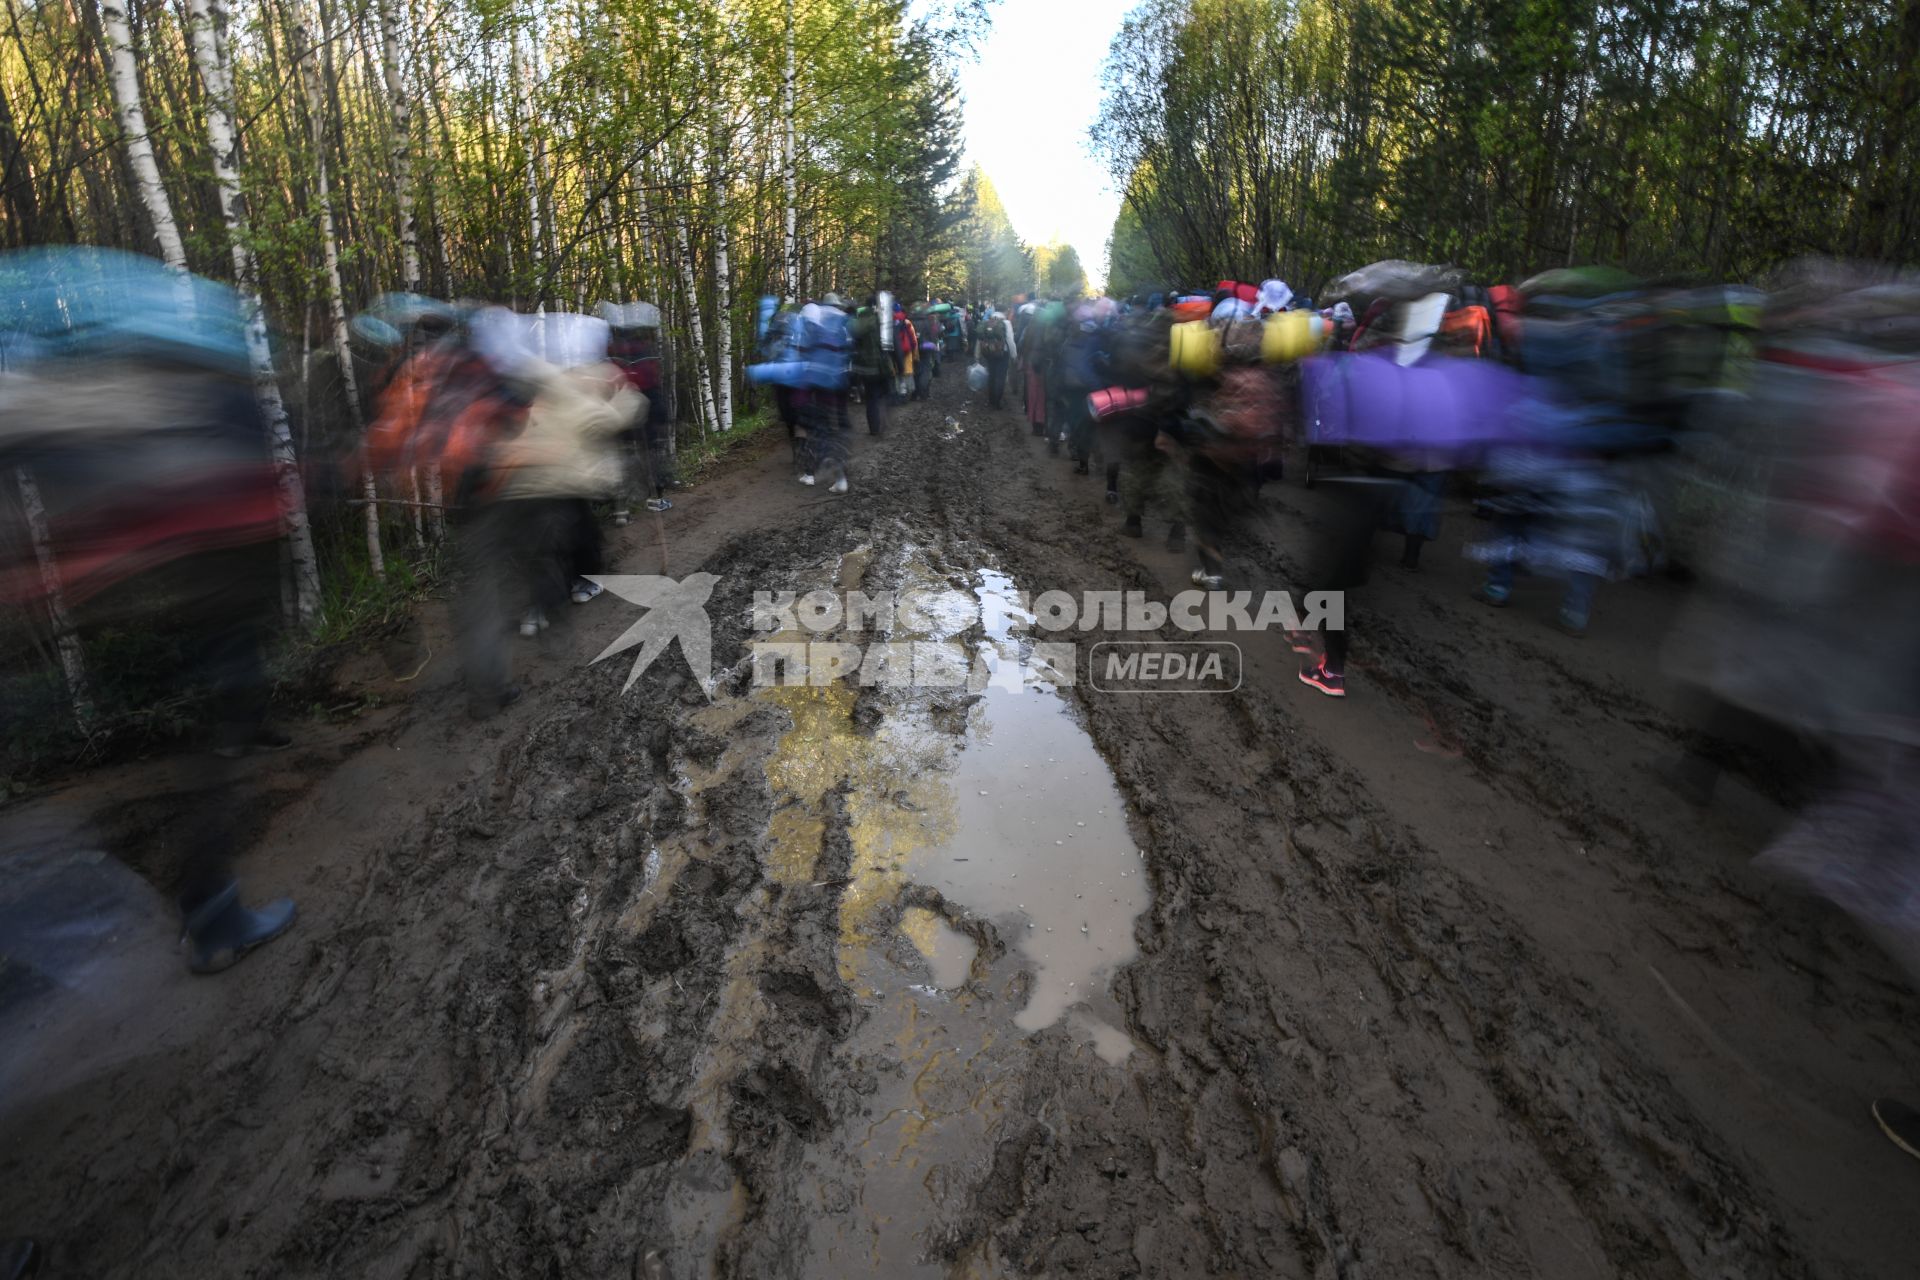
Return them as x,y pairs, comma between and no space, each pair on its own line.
536,532
565,457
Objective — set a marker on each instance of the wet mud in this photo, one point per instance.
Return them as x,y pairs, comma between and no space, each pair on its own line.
1014,979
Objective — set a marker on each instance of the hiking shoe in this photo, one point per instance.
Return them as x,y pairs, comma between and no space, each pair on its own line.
219,931
1132,527
839,486
659,504
1176,537
1207,581
1899,1122
584,591
1331,683
1490,597
1570,624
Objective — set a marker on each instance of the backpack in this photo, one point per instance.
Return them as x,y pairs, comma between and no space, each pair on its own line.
869,355
993,340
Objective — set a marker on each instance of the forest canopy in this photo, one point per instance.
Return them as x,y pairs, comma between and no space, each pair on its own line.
1305,137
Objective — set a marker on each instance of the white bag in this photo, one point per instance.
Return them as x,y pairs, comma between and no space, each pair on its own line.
976,377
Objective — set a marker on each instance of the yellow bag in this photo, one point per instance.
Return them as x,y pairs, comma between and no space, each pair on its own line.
1195,349
1289,335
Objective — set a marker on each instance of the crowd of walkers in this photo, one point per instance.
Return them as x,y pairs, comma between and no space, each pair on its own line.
1592,427
150,497
528,422
1761,446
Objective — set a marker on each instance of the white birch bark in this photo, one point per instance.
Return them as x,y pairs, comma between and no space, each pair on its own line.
402,144
203,19
66,644
696,330
336,293
523,107
722,295
789,175
133,122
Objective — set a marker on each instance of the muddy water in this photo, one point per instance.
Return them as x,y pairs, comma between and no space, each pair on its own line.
1040,842
1007,809
990,894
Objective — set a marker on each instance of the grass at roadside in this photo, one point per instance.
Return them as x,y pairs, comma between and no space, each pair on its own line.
699,456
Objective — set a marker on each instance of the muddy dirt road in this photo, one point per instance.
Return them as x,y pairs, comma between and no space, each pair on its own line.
834,981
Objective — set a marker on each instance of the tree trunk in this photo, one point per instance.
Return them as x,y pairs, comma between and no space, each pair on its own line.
789,176
202,16
402,144
133,122
73,659
336,294
696,330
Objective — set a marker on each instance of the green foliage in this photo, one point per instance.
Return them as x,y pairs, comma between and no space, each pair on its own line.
1305,137
1059,269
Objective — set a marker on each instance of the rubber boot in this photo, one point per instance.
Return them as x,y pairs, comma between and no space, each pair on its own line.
220,930
1176,536
1410,556
1132,527
1113,484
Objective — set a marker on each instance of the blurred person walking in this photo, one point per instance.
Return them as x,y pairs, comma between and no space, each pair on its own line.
645,448
160,507
872,365
996,349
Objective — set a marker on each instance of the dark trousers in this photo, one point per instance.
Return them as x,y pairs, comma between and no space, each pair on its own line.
1343,557
876,392
827,430
230,616
489,542
996,381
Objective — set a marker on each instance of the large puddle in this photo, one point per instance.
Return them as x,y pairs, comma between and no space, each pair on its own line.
973,814
993,795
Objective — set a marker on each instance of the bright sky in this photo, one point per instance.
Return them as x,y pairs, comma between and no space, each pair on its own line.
1030,99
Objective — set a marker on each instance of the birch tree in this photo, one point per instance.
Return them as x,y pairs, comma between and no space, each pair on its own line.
402,114
205,18
133,125
789,175
336,294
